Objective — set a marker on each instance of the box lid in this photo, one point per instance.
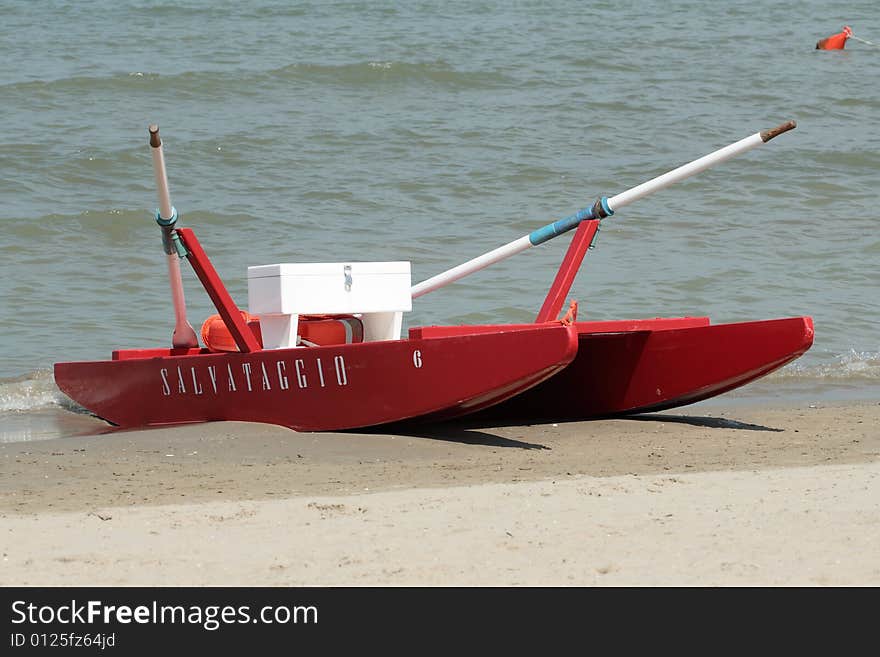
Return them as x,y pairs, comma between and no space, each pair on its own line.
328,268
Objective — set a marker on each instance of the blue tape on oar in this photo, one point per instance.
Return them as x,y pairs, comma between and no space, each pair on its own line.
599,210
167,222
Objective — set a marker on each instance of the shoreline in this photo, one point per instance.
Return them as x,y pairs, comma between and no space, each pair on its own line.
266,505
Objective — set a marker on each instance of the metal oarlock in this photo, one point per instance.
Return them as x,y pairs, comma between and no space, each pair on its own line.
171,241
599,210
594,238
167,226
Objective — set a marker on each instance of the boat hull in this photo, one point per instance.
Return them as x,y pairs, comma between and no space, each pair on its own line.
626,367
320,388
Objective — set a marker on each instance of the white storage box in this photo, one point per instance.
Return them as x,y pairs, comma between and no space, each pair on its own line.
378,291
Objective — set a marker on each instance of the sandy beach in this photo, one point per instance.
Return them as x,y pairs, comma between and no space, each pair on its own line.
701,496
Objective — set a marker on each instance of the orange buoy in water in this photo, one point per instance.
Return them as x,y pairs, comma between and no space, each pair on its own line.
835,41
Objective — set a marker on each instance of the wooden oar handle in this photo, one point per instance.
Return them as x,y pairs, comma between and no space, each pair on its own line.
155,142
767,135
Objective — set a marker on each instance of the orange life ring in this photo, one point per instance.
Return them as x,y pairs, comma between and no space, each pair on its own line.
215,335
330,329
314,330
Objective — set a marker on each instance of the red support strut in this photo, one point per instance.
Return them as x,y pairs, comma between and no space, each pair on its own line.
243,336
581,241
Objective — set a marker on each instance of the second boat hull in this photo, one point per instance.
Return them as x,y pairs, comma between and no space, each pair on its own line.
638,366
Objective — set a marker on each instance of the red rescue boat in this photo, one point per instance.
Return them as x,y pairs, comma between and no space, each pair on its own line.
321,348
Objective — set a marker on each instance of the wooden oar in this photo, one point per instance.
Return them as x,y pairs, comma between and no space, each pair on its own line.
183,336
602,208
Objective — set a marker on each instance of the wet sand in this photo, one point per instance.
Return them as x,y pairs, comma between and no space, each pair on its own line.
693,497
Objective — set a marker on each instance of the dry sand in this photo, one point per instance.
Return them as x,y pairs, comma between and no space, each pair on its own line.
744,496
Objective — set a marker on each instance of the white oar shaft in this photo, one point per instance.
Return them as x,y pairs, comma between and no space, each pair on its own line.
602,208
165,207
174,277
183,336
684,171
469,267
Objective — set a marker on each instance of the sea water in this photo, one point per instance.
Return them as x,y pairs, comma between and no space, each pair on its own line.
433,132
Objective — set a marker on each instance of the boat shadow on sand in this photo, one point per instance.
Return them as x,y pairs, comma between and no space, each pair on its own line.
702,421
477,432
456,432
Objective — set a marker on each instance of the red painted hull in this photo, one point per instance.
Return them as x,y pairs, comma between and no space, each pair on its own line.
638,366
321,388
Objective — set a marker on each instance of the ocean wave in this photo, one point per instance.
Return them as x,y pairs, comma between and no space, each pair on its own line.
120,225
33,392
187,84
392,72
853,366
